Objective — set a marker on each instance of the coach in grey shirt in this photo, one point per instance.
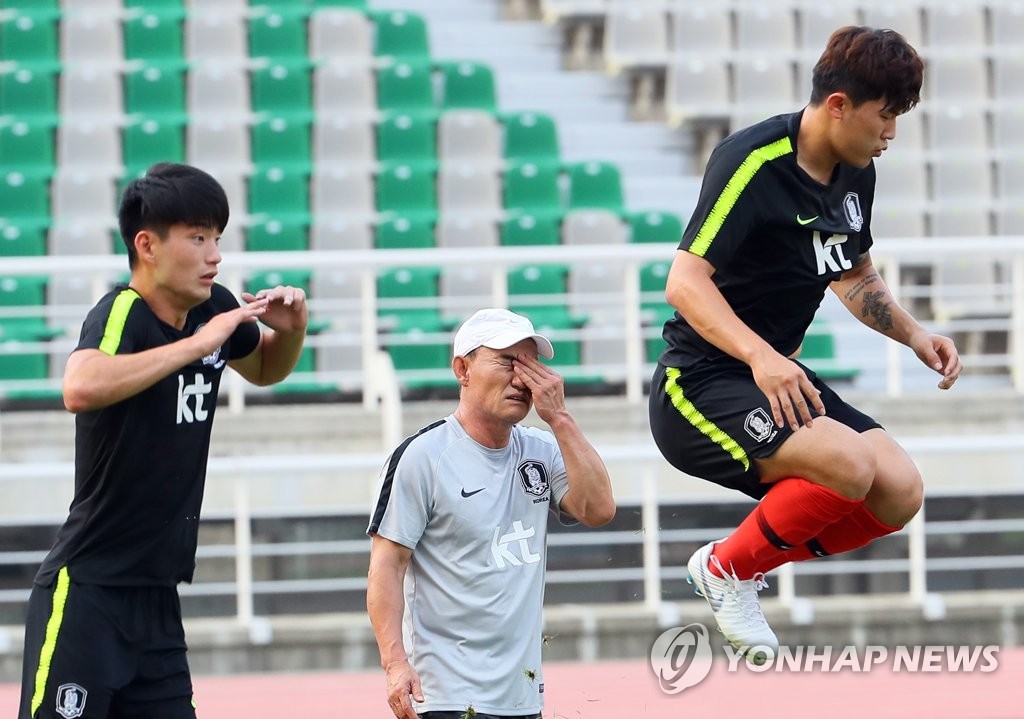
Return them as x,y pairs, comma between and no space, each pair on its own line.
459,530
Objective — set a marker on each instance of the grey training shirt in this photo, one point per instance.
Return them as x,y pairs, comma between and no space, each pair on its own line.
476,520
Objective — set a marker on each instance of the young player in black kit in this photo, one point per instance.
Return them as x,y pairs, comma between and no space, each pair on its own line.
104,634
784,214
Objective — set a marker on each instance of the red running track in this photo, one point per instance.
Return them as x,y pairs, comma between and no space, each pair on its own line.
628,689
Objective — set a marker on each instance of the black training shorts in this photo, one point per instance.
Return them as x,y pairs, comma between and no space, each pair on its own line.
713,422
98,651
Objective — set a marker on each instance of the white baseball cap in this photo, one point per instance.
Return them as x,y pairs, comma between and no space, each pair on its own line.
498,328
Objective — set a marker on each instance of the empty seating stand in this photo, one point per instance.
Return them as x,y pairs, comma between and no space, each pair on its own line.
333,125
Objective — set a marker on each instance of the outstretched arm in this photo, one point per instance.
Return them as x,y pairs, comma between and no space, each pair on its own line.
869,299
279,348
589,498
385,604
94,379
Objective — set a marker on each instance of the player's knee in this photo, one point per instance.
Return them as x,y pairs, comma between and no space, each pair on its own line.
907,501
852,474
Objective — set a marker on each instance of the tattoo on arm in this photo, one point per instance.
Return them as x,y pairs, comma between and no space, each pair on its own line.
859,287
877,309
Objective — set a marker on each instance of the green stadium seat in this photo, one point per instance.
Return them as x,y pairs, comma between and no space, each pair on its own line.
595,185
568,352
27,93
527,287
267,279
24,200
277,236
534,190
34,6
401,36
530,230
531,137
22,304
155,90
406,88
282,142
404,233
154,34
414,350
18,241
407,140
468,85
353,4
161,4
654,226
278,33
300,381
150,140
27,147
30,38
818,352
18,363
409,312
283,89
22,307
408,299
407,192
281,193
654,309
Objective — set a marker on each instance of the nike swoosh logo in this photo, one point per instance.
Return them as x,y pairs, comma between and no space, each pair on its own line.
715,600
808,221
470,494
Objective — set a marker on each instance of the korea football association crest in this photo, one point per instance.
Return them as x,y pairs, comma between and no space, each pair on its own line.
213,359
759,425
851,208
71,700
533,477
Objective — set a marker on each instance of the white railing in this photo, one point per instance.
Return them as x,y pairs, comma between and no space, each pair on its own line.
242,489
893,367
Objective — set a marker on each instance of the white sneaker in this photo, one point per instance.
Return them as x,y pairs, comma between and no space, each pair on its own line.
734,602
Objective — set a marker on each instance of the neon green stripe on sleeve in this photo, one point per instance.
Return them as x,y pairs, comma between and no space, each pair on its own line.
731,194
703,425
60,597
115,321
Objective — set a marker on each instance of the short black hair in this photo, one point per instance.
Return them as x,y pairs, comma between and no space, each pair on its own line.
869,64
170,194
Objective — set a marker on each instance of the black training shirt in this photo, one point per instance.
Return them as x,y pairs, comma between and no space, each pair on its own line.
776,237
140,464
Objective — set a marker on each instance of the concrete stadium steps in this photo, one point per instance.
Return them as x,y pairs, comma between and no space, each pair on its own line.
507,46
591,108
339,427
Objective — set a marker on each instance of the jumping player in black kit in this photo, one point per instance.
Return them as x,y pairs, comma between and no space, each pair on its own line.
104,634
784,214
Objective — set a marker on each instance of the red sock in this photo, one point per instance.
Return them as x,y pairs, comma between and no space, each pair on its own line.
857,529
793,511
